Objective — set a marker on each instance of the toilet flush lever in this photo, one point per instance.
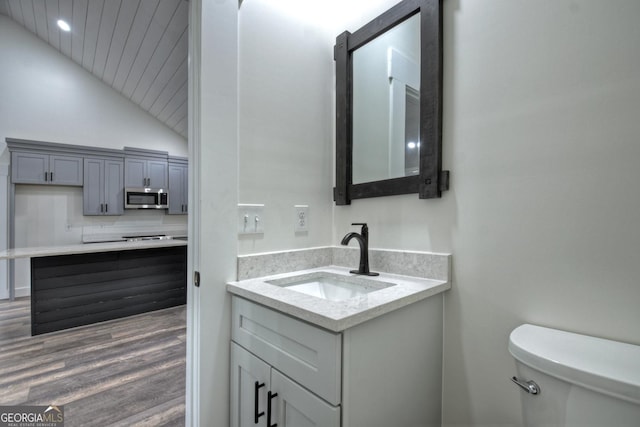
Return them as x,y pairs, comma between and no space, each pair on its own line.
529,386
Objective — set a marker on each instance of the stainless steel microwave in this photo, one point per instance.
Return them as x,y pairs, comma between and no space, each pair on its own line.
146,198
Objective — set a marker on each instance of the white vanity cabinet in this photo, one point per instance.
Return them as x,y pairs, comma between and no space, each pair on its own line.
269,346
383,372
261,394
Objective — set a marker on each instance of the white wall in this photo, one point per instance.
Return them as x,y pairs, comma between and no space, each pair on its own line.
541,108
285,125
286,113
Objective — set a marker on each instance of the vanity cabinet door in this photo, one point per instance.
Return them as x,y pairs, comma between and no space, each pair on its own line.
246,370
298,407
291,404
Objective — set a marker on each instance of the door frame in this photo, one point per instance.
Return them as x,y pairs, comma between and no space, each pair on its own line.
213,199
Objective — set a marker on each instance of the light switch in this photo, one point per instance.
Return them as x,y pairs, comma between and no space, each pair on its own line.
250,218
301,219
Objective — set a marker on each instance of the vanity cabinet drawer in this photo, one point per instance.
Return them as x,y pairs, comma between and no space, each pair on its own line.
307,354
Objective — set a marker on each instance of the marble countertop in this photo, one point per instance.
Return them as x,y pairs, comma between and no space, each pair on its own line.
84,248
338,316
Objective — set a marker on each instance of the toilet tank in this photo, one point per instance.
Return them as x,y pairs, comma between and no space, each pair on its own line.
581,380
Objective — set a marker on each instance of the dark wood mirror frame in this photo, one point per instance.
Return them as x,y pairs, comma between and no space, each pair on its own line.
432,180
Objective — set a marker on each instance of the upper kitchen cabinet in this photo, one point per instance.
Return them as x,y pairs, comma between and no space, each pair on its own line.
146,168
38,168
34,162
178,186
103,186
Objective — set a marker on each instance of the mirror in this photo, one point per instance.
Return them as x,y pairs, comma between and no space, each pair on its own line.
386,80
388,105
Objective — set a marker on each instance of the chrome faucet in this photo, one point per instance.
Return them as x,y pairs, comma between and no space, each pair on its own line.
363,241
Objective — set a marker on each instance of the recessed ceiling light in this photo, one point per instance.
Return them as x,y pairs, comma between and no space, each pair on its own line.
63,25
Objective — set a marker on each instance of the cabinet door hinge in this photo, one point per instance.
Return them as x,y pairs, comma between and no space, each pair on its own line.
196,278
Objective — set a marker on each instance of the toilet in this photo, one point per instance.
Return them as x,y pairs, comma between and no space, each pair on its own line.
568,379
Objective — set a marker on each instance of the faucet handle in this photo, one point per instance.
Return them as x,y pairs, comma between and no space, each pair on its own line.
364,230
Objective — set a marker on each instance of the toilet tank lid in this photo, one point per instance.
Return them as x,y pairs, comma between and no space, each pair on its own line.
609,367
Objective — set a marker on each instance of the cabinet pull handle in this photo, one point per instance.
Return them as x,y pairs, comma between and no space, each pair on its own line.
101,207
51,176
46,174
257,414
106,207
269,397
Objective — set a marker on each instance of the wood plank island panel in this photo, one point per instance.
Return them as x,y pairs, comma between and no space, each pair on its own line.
81,289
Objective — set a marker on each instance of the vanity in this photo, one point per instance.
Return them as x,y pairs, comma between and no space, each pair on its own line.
322,347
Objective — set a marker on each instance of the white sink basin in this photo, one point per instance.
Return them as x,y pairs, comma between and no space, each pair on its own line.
330,286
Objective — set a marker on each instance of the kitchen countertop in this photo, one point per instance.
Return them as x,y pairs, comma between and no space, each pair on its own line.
338,315
84,248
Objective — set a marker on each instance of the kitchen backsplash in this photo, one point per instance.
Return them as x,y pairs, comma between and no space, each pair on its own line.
101,233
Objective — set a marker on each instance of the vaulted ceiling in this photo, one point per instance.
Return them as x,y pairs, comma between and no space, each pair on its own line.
138,47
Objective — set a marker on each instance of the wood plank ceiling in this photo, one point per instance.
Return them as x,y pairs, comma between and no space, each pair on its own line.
137,47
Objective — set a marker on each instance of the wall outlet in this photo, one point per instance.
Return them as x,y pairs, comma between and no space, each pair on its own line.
250,219
301,220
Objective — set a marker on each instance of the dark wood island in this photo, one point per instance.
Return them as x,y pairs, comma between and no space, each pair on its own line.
103,282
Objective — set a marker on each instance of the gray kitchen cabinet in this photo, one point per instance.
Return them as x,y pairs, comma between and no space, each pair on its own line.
103,191
178,189
262,396
149,173
384,372
49,169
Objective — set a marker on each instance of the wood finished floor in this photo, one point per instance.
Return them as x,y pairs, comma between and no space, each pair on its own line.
126,372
